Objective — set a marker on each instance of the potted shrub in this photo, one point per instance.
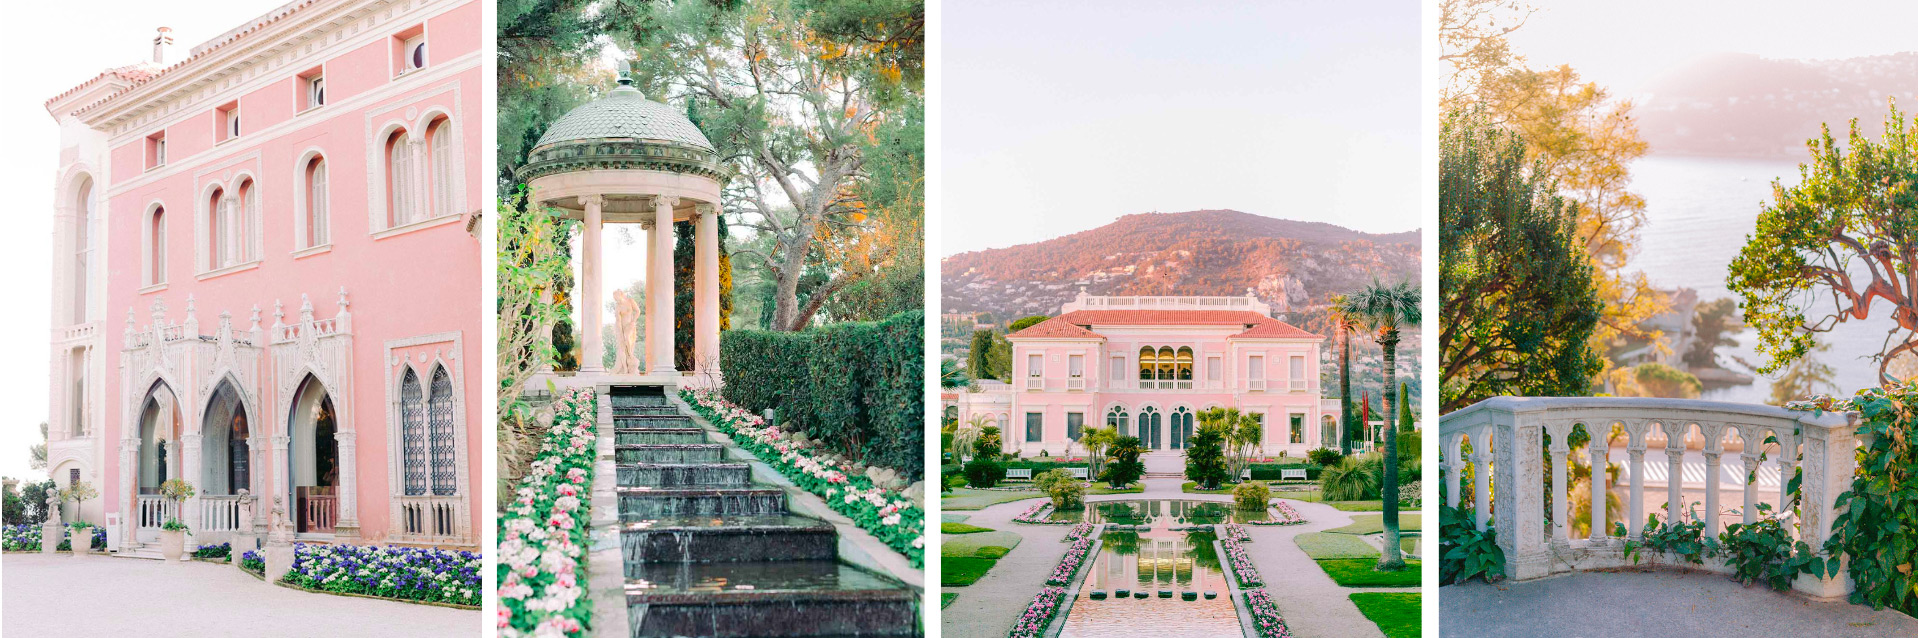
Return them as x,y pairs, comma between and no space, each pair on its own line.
80,538
173,531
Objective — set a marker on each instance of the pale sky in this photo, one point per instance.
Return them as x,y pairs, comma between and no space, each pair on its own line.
1061,117
43,61
1626,44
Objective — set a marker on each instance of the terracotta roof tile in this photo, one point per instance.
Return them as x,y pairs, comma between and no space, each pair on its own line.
1060,327
1070,325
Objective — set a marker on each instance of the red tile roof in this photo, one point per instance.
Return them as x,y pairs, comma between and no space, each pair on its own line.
1072,324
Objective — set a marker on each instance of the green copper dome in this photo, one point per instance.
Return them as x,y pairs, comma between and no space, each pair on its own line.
624,114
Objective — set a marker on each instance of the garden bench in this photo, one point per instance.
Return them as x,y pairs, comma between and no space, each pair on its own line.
1078,473
1019,474
1290,473
1245,474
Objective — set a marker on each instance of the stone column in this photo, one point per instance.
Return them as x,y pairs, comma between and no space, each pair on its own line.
1598,450
706,295
1830,448
347,528
1750,457
129,486
592,349
661,303
1712,469
416,203
191,472
1454,466
1482,476
281,467
652,290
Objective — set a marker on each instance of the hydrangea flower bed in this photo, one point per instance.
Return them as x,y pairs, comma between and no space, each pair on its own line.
889,515
251,561
1032,624
1286,516
21,538
1069,564
1036,515
1241,564
1265,615
1236,532
543,534
222,550
403,573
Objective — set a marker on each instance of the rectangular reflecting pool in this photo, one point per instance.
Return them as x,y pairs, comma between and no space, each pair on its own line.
1156,578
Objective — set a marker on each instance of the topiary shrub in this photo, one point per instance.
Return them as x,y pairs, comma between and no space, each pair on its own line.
984,473
1251,495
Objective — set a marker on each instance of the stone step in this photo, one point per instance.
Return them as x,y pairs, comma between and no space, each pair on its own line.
643,503
672,453
685,475
658,436
641,410
652,421
730,539
806,598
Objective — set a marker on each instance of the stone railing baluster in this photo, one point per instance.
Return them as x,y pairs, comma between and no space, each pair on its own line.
1599,451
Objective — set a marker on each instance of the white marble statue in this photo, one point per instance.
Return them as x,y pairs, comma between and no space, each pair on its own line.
626,323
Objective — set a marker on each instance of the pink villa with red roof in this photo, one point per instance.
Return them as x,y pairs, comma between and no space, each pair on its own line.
1148,365
267,279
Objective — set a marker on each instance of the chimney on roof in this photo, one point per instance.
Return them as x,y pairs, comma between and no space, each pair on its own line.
160,43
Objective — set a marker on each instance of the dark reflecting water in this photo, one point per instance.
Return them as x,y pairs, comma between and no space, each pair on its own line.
1171,512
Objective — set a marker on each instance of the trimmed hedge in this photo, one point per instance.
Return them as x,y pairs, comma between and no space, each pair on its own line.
1270,471
856,387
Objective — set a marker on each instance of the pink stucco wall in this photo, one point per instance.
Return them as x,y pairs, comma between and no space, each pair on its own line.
400,286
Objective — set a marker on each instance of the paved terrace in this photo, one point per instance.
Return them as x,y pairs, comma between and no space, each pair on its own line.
1652,603
59,595
1312,605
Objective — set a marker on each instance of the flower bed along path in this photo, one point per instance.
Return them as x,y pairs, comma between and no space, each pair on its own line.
543,534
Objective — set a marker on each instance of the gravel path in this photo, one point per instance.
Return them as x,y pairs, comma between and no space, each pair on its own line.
1312,604
60,595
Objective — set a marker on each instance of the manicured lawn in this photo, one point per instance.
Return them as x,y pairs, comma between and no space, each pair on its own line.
1102,488
971,499
1321,546
959,571
961,528
1374,523
973,544
945,600
1343,506
1191,487
1397,614
1358,572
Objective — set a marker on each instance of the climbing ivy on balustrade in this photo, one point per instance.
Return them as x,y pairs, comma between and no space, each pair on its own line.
1878,528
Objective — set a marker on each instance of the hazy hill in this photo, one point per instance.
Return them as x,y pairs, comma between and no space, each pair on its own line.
1207,252
1734,104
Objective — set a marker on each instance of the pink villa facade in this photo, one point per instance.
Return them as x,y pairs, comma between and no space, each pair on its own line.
1148,365
266,280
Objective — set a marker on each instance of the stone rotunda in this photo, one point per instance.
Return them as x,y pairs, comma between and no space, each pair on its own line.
625,159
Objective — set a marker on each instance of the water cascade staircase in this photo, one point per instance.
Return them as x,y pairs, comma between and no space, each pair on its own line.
708,552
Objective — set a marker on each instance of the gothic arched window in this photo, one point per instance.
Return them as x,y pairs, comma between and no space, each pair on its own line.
440,434
1116,419
400,198
318,232
412,435
439,138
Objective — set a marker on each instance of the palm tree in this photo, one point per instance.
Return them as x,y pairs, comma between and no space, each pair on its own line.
1344,324
1096,440
1382,309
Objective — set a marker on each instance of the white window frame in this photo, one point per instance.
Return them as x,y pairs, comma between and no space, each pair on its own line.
448,351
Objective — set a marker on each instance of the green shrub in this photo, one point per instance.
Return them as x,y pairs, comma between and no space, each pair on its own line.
1464,551
1064,489
1325,456
1251,495
1354,479
1124,466
1205,457
1270,471
982,473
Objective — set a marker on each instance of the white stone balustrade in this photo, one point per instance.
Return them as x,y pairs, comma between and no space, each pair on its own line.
432,519
219,513
1508,461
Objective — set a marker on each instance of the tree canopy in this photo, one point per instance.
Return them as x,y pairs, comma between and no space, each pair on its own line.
1518,300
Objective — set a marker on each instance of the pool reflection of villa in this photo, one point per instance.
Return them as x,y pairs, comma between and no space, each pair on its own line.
1171,573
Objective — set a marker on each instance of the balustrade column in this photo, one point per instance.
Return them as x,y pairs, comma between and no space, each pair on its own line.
1482,477
1751,485
1712,469
1455,466
1634,526
348,524
591,308
662,303
1830,449
1598,451
1560,530
1674,480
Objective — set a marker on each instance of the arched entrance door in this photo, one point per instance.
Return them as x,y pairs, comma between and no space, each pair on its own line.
313,460
1149,427
226,459
159,460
